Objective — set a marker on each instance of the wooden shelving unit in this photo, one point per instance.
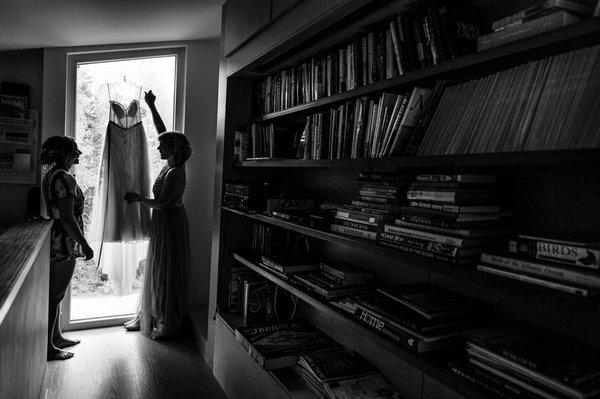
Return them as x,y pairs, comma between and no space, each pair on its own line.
552,193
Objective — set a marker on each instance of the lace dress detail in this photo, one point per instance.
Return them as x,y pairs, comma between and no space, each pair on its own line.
119,230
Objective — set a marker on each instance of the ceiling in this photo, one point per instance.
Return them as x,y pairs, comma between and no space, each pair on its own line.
64,23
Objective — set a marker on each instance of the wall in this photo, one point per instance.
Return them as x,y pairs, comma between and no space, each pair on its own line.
24,66
199,125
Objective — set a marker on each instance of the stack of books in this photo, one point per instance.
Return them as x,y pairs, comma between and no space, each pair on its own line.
545,104
420,316
336,279
379,201
544,16
279,345
452,218
418,39
285,265
336,373
566,266
526,361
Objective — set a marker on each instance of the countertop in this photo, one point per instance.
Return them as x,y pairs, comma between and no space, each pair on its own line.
19,247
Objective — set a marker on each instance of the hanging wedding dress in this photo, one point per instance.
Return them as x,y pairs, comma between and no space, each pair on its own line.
119,230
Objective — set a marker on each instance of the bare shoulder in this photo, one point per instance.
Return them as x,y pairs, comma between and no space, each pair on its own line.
176,173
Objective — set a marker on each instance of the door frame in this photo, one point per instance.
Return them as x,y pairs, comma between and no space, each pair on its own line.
75,58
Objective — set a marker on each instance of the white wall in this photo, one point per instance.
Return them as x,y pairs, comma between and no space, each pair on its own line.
199,125
24,66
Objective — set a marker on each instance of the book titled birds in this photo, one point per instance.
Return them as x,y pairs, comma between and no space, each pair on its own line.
567,266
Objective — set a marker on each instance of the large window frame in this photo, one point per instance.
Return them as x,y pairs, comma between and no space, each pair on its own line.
73,60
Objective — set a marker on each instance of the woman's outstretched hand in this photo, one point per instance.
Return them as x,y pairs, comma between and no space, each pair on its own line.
131,197
88,252
149,97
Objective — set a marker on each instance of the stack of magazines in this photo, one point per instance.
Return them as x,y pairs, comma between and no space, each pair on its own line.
526,361
337,373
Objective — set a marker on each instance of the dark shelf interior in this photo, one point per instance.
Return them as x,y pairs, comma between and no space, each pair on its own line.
433,363
479,284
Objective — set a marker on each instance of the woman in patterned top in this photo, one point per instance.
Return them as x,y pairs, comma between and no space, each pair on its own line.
64,202
163,304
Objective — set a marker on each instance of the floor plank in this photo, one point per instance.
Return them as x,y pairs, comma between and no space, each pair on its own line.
113,363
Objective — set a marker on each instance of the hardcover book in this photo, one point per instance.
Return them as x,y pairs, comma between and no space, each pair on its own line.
538,353
432,302
578,254
279,345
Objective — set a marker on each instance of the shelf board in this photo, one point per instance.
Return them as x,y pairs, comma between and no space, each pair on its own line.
486,283
524,158
577,34
430,363
286,378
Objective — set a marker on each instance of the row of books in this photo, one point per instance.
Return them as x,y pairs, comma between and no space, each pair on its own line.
571,267
268,142
365,127
548,104
412,40
327,368
544,16
523,361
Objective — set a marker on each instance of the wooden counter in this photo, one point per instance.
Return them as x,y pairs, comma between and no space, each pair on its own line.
24,266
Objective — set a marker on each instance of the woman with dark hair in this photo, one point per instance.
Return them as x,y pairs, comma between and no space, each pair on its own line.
64,202
164,292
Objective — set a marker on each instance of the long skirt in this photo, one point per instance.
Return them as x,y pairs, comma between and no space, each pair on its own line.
165,289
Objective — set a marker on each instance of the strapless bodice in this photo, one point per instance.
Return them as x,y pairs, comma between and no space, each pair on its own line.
125,117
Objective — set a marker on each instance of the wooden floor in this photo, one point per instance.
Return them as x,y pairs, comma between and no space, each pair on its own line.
113,363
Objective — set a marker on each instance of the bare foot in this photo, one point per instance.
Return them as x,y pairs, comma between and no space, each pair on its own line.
133,322
133,326
62,342
59,354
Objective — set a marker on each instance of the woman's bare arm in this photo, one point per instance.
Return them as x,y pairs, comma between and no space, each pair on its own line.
173,181
66,206
149,97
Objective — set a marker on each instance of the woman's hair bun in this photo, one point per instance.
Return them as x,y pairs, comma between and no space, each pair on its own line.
55,148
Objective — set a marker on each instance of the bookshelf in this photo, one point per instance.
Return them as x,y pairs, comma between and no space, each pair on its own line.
550,192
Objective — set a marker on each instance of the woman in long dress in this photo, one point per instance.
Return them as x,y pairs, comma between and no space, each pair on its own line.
164,292
64,202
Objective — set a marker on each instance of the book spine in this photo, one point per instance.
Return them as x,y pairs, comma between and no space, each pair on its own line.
494,384
558,273
424,235
356,225
369,235
382,325
422,219
584,292
441,196
442,249
420,252
556,252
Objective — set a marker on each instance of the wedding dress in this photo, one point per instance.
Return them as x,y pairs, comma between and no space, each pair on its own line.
119,230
